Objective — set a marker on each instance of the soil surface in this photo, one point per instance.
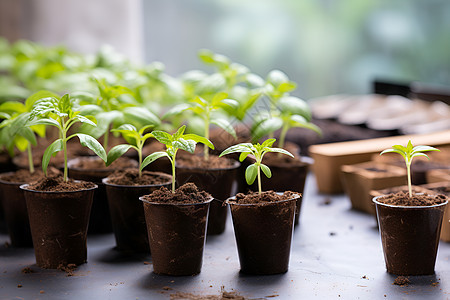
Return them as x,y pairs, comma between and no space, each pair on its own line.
277,159
198,162
267,196
55,183
96,163
131,177
402,199
186,194
24,175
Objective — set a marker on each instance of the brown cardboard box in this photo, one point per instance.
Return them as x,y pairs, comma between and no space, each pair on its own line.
328,158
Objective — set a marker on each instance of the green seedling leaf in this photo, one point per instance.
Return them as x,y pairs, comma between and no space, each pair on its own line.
54,148
93,144
162,137
186,145
152,157
250,174
37,96
225,125
199,139
266,170
116,152
243,156
279,150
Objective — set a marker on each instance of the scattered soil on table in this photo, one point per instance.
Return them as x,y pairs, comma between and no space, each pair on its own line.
69,269
55,183
401,280
24,175
186,194
97,163
27,270
402,199
267,196
131,177
223,295
198,162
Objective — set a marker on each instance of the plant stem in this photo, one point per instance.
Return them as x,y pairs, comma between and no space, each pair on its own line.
173,174
408,170
140,161
205,148
282,139
30,159
64,142
259,179
105,139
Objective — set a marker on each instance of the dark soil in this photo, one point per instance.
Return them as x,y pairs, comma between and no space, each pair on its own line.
69,269
185,194
198,162
401,280
55,183
223,296
402,199
24,175
267,196
97,163
131,177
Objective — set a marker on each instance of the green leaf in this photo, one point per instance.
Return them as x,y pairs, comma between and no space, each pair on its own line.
28,134
186,145
419,154
86,120
12,107
116,152
55,147
250,174
198,139
219,97
20,142
277,77
93,144
423,149
225,125
64,104
162,137
279,150
243,147
286,87
38,96
266,170
140,116
268,143
176,110
294,105
179,132
243,156
266,127
247,105
402,153
299,121
46,121
152,157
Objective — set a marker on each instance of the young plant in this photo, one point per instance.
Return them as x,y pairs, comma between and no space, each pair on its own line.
204,107
178,140
135,138
62,113
408,153
257,150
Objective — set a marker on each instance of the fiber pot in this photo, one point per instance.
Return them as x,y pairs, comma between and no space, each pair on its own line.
16,215
220,183
288,177
263,234
127,214
410,237
100,220
177,236
59,222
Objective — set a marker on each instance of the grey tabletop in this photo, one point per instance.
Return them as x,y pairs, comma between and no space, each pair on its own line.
336,254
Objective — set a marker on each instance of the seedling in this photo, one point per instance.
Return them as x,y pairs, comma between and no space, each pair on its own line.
257,150
178,140
62,113
135,138
203,107
408,153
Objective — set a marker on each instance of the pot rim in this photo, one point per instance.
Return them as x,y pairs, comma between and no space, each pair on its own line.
374,200
24,187
105,182
175,204
93,157
236,164
296,196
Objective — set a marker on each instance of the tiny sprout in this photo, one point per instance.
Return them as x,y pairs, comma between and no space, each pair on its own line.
408,153
257,150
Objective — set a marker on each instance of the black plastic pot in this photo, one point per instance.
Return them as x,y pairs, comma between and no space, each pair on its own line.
100,220
410,237
16,215
219,183
177,236
263,235
59,222
127,214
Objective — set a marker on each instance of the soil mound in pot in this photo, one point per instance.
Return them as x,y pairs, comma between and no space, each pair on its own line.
402,199
186,194
131,177
24,175
194,161
98,164
56,183
265,197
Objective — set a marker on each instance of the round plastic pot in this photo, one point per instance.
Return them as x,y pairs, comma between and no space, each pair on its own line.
177,236
410,237
127,215
58,222
263,235
219,183
16,215
100,219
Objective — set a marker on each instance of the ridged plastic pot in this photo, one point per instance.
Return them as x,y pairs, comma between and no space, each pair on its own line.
219,183
410,237
16,214
100,219
127,214
263,234
177,236
58,222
